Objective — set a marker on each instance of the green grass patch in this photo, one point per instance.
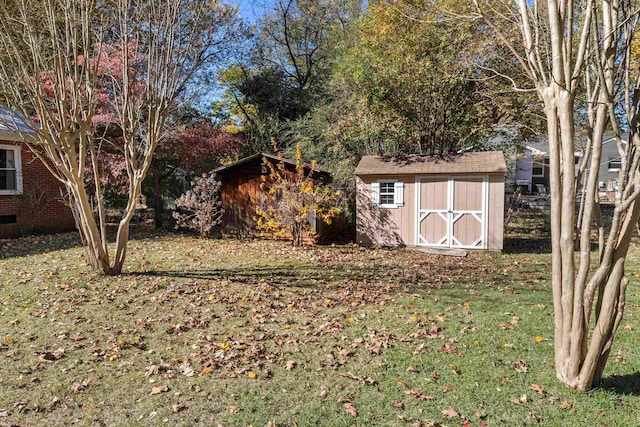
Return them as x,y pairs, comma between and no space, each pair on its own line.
260,333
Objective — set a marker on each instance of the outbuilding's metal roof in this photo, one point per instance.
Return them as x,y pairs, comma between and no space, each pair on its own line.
469,162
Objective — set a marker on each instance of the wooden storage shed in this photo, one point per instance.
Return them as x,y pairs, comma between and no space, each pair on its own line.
455,202
243,188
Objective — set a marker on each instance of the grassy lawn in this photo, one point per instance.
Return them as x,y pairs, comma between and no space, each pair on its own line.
259,333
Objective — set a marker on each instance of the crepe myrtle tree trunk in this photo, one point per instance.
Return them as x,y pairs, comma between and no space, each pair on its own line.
70,70
575,51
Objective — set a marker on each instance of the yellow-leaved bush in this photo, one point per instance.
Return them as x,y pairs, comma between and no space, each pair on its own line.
293,200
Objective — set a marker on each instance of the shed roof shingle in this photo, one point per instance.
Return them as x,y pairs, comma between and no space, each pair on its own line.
470,162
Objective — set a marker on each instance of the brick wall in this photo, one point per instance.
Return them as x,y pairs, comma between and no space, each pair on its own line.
38,209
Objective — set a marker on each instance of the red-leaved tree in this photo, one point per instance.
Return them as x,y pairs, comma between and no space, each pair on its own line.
96,72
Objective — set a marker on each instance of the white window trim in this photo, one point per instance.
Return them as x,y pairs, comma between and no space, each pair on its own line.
18,160
447,214
613,159
398,197
533,166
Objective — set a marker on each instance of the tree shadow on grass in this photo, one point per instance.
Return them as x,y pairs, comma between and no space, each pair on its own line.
33,245
43,243
622,384
528,232
311,276
350,278
527,245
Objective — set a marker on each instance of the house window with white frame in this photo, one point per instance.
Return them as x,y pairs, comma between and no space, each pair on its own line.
10,170
615,163
387,193
537,170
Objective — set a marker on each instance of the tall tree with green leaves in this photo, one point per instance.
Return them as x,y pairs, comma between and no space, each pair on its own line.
408,78
403,82
285,75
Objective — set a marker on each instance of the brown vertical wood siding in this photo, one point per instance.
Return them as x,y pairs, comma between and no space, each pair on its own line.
243,188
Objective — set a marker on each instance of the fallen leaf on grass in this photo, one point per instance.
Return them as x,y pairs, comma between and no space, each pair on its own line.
187,370
159,389
78,387
419,395
540,339
539,389
8,340
252,375
290,365
378,342
350,409
533,417
363,380
178,407
154,369
451,413
521,401
50,356
521,366
481,414
565,405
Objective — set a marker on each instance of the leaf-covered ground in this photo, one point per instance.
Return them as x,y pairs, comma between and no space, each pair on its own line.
224,332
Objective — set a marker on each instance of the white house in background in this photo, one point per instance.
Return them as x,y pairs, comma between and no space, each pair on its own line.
610,164
532,166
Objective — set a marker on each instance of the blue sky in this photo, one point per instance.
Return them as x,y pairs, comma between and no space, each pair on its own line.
252,9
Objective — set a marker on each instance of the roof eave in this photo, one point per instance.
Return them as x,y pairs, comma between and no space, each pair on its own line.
269,156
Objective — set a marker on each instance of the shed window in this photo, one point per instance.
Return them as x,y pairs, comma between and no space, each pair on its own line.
388,193
10,170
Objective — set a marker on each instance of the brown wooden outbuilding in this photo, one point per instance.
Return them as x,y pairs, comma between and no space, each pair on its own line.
243,187
454,202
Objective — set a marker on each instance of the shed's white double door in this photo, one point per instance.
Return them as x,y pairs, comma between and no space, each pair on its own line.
452,211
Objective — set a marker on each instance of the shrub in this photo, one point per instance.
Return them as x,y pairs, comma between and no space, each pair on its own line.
293,200
199,208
